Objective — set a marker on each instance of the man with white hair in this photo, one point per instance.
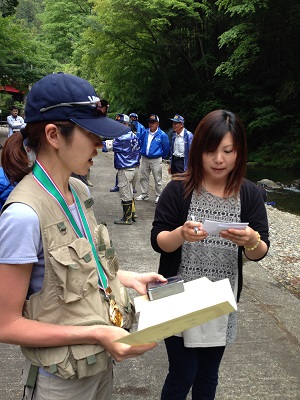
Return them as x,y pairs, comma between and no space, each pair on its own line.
180,145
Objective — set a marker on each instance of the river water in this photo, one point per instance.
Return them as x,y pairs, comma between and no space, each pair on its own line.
285,200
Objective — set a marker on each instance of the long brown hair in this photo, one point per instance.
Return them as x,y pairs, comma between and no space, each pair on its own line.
207,137
14,158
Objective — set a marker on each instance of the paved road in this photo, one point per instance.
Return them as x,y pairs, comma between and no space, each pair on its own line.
263,364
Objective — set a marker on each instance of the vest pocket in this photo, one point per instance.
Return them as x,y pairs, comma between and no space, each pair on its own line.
68,361
89,359
106,251
76,270
54,360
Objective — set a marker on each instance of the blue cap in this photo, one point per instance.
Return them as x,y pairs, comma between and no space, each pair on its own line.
123,118
64,97
133,116
177,118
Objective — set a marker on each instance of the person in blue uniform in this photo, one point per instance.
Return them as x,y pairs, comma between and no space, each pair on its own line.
127,155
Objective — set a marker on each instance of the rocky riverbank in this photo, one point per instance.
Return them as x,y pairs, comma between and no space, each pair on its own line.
283,259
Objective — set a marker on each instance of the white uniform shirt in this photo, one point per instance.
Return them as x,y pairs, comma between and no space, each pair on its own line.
150,138
178,150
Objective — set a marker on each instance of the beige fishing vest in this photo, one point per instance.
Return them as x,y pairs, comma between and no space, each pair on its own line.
70,294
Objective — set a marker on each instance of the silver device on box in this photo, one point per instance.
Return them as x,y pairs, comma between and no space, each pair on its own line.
158,290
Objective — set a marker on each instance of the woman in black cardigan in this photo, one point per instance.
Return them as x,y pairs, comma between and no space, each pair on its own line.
212,188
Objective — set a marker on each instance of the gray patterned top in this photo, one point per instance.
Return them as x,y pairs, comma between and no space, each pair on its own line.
215,258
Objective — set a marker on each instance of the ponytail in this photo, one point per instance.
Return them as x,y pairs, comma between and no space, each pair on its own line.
14,159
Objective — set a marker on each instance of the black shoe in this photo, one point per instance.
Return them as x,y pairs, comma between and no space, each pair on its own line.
114,189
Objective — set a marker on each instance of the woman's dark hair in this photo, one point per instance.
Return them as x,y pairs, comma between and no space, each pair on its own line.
14,158
207,137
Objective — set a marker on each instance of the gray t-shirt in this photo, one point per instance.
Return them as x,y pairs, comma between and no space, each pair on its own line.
21,240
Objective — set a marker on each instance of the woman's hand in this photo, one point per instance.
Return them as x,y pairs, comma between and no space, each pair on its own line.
242,237
120,351
254,247
192,231
138,281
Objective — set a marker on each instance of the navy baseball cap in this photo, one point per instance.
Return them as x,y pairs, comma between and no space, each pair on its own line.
177,118
64,97
153,118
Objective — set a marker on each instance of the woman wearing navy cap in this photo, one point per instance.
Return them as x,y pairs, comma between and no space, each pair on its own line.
60,296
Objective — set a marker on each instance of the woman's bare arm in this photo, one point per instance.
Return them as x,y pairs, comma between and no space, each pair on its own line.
15,329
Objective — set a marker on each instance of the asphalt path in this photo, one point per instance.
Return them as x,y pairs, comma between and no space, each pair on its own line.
263,363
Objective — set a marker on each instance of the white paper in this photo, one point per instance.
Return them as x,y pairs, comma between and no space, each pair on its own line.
215,227
201,301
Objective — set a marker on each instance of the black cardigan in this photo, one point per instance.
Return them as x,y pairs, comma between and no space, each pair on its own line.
172,212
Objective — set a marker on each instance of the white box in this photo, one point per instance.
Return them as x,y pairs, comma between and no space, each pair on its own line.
201,301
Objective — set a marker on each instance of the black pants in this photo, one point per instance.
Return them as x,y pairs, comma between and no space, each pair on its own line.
195,367
177,165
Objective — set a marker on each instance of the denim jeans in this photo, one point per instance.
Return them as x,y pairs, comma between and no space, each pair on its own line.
195,367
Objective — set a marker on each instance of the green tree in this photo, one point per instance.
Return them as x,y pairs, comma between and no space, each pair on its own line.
172,56
27,12
23,59
7,7
148,55
263,56
63,22
242,37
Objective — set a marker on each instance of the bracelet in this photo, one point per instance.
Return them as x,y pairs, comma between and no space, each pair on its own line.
256,244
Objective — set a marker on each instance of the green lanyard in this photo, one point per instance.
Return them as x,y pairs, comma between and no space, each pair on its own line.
44,180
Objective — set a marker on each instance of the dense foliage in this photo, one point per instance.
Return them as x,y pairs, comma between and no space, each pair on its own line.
171,56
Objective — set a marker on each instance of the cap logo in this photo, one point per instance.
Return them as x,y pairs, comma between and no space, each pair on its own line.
93,99
178,119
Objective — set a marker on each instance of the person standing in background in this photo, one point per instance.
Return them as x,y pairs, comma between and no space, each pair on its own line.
136,126
180,146
155,146
127,156
213,187
15,121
